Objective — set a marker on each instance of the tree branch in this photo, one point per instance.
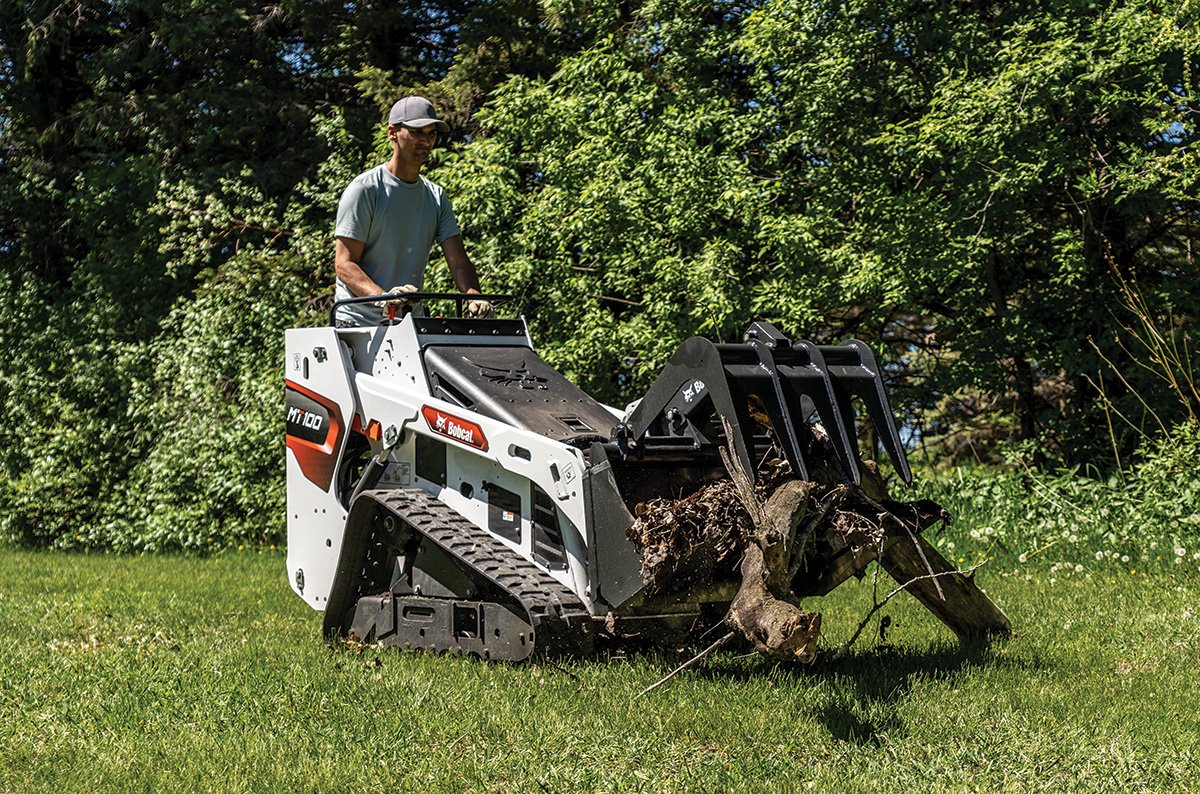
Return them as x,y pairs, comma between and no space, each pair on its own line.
688,663
841,652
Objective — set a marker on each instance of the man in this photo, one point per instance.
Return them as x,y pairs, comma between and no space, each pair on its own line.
389,218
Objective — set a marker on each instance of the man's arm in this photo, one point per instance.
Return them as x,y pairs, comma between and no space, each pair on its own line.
347,253
461,267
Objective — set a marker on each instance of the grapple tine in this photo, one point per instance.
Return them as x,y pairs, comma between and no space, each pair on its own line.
855,373
764,338
809,377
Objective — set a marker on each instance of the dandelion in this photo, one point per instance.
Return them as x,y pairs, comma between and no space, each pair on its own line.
1099,555
1124,558
1073,539
1023,558
1078,568
1180,551
974,534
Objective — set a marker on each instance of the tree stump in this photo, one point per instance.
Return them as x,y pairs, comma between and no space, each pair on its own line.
786,538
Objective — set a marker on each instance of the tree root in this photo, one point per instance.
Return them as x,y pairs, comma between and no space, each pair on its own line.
764,610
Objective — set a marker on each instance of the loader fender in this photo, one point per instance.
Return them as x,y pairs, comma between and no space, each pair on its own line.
319,408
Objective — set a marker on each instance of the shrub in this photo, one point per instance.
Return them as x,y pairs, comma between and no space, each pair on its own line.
198,462
1147,516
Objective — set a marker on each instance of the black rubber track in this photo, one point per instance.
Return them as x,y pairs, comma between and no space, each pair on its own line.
561,622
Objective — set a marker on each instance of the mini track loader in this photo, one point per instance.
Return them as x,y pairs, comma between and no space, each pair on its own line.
449,491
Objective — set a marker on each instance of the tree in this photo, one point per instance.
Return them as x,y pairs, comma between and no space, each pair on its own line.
614,195
977,173
985,191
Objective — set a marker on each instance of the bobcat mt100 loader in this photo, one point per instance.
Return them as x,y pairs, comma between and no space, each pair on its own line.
449,491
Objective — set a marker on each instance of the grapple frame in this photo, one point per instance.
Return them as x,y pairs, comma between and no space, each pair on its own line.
788,382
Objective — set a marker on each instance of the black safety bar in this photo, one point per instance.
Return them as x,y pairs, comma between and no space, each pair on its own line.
459,299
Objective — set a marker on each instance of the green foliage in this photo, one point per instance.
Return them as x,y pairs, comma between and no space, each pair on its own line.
975,189
64,393
613,197
1073,521
188,453
209,418
969,176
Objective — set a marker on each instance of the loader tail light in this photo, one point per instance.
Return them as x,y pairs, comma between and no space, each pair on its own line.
373,430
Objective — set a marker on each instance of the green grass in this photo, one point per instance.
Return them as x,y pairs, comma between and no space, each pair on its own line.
177,674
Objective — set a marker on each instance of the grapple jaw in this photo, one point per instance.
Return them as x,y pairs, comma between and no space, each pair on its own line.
767,380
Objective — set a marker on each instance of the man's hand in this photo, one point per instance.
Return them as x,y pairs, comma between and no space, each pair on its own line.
397,303
479,308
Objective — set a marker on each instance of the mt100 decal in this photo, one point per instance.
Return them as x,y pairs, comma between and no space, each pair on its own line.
314,433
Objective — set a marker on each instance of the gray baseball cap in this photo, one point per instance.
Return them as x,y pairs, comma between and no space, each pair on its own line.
415,111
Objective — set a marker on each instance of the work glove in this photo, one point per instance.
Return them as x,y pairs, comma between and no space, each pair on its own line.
479,308
397,303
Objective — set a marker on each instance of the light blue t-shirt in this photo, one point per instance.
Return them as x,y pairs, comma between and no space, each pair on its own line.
399,223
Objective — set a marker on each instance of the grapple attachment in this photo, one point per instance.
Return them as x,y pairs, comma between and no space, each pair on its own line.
767,381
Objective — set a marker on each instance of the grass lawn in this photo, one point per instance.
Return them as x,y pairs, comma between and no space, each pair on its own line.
168,673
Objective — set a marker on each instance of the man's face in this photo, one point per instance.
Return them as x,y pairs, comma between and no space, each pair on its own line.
415,143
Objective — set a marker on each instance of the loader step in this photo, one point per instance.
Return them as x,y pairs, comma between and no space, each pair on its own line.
506,609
